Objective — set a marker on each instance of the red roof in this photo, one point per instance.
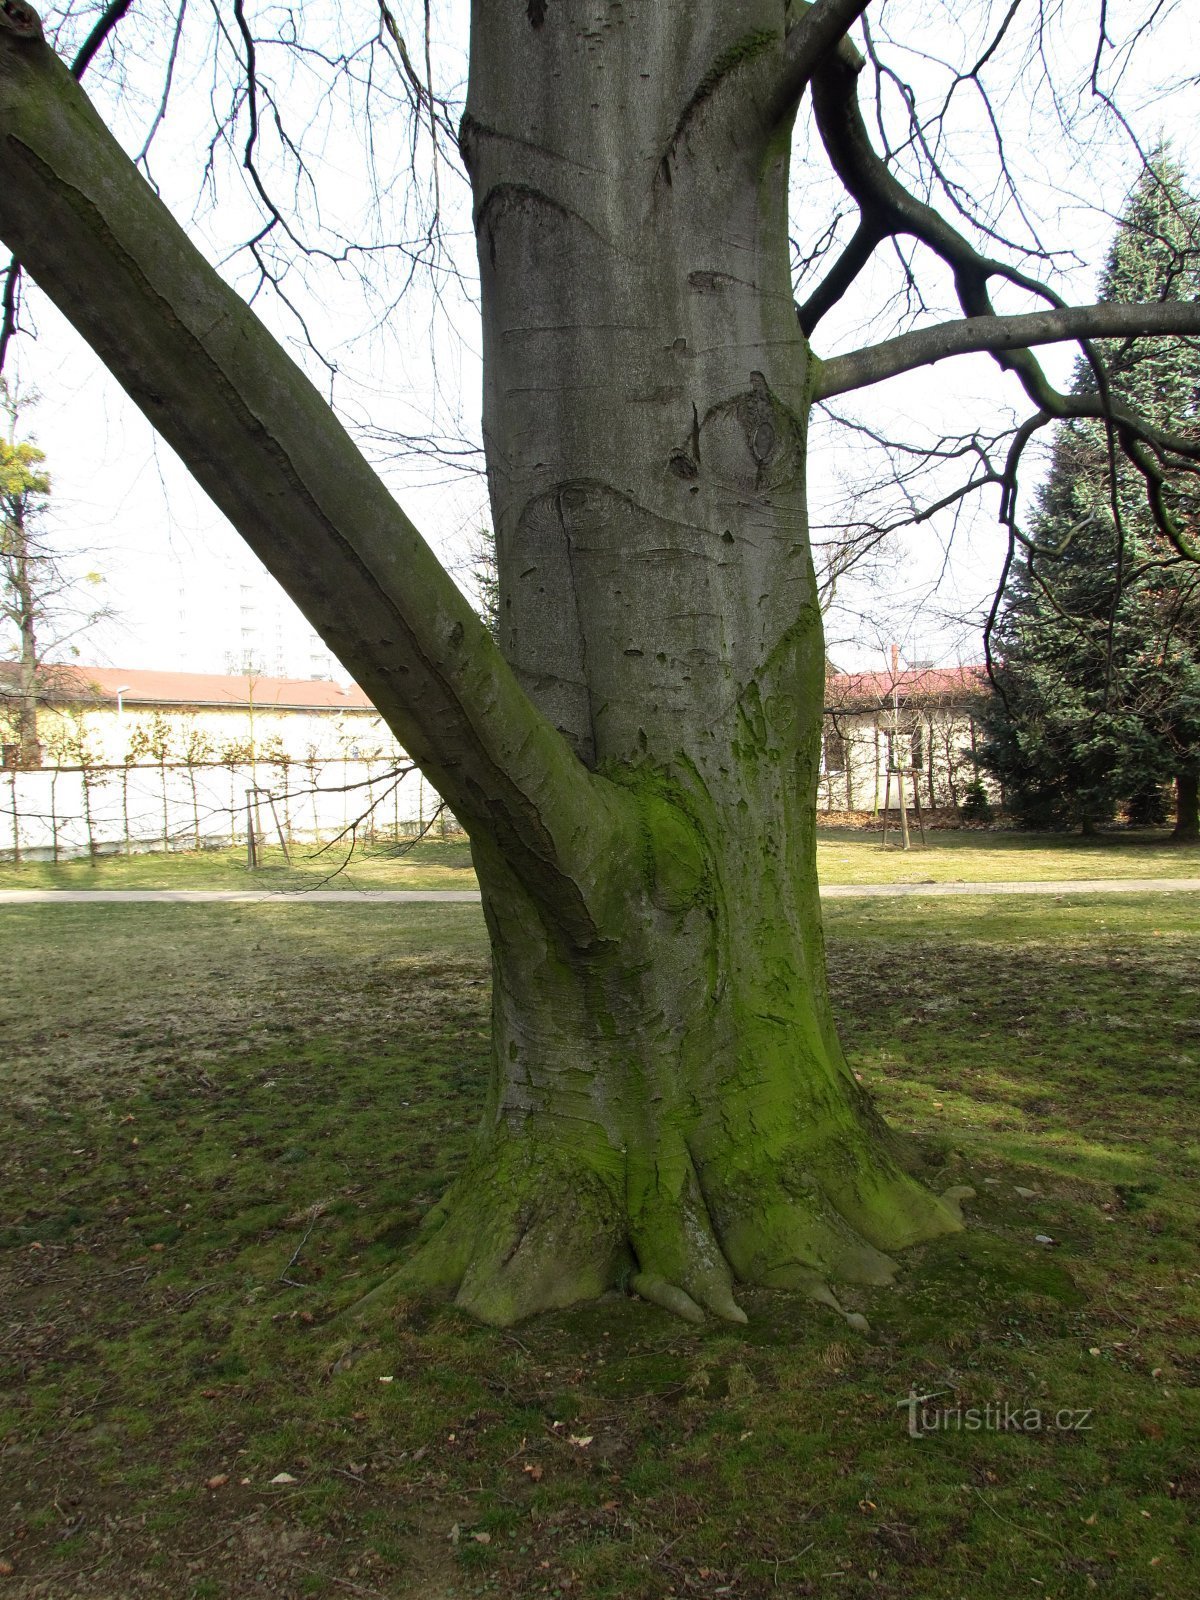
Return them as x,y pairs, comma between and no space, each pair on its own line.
929,686
843,690
139,688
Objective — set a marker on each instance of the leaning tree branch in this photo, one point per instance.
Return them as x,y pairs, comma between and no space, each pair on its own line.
262,442
24,22
873,363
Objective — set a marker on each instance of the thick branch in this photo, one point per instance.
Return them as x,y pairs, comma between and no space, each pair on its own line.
840,276
105,23
872,364
885,203
268,450
817,31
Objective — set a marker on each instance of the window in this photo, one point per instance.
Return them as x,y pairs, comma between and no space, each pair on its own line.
833,751
900,751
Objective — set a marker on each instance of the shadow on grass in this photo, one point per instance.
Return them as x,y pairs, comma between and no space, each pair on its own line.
224,1123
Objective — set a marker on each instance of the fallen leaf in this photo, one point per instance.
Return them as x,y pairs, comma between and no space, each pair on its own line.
580,1440
283,1477
218,1481
534,1471
482,1538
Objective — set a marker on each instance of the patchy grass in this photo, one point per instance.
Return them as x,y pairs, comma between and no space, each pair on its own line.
844,855
967,855
225,1121
426,864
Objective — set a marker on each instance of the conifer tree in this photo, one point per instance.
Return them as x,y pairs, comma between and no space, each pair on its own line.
1099,641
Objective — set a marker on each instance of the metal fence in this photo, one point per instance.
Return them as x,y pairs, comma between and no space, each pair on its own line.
61,813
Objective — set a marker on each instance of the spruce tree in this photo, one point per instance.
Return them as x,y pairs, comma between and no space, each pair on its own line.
1099,639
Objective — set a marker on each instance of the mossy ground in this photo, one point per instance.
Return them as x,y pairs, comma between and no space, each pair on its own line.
223,1122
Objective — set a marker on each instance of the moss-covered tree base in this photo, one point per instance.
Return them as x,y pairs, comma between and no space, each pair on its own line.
533,1227
670,1110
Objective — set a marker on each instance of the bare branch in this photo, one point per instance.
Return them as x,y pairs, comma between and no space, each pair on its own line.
819,29
105,23
11,305
873,363
839,277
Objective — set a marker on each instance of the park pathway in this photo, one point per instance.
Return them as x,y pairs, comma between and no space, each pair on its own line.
831,891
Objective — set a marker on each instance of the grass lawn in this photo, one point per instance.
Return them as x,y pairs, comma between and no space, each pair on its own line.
223,1122
851,855
844,855
429,864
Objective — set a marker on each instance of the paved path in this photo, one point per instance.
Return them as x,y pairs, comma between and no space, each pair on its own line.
832,891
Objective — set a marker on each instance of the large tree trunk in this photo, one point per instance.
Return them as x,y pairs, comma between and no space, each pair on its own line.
670,1103
1187,807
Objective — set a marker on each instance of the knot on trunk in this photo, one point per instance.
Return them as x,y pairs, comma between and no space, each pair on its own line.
18,18
752,441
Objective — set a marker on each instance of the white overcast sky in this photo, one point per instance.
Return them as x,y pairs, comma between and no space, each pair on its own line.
177,574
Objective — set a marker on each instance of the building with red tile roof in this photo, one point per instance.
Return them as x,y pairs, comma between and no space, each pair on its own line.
119,713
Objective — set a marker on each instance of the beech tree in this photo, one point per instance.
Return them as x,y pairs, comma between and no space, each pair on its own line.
635,758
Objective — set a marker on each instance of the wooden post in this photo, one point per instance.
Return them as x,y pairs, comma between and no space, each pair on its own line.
917,802
16,819
887,798
251,847
282,839
906,842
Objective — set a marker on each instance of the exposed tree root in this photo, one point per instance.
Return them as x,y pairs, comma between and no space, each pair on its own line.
532,1228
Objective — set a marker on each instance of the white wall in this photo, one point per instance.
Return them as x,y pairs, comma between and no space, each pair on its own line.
47,812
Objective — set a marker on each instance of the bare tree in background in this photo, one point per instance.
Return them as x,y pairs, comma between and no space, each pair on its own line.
43,602
636,758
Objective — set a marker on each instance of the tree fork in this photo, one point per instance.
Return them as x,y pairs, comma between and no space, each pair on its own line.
669,1107
269,451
